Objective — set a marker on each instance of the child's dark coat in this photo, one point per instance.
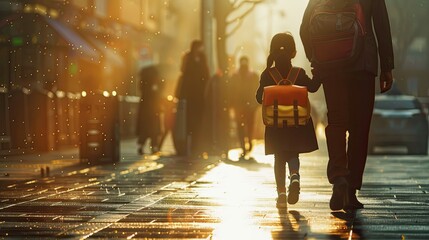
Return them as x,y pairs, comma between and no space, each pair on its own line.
291,139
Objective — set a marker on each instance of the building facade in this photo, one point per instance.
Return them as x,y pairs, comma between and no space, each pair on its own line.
52,51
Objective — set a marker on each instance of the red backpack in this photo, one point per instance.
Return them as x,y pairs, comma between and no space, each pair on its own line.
337,30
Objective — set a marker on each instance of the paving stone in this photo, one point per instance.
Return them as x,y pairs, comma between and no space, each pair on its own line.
172,198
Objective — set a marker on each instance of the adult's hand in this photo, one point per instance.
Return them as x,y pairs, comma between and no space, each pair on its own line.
386,81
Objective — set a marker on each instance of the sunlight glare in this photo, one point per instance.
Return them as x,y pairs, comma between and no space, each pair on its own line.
234,193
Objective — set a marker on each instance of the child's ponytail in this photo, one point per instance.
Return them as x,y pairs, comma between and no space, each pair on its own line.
270,61
282,47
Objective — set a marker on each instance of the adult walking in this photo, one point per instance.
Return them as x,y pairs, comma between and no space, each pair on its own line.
148,118
243,84
192,88
217,115
348,67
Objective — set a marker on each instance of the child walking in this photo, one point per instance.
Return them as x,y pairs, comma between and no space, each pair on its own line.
288,142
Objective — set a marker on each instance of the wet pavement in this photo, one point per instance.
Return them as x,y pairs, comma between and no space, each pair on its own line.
174,198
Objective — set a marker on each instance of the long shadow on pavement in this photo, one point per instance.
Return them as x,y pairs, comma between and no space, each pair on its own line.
352,225
293,226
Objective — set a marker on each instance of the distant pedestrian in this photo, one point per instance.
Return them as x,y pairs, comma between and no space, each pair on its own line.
347,67
217,114
148,119
243,85
288,142
192,88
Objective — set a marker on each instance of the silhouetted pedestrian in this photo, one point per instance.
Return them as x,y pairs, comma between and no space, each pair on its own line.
217,114
148,119
243,85
339,40
192,86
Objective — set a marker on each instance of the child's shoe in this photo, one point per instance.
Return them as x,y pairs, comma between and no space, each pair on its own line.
294,188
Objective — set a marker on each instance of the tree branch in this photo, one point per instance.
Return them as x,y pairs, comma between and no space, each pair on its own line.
240,21
230,33
243,15
235,2
238,4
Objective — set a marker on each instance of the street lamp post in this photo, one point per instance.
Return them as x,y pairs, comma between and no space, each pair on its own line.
207,17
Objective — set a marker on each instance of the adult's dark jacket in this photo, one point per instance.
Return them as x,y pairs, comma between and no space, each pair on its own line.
291,139
376,44
195,75
193,88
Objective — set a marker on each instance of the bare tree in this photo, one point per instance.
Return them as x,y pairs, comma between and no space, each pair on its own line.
229,15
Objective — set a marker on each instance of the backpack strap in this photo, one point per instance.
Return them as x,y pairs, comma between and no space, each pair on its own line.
293,74
275,75
291,77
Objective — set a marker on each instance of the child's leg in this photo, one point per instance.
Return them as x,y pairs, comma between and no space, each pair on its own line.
280,175
294,164
280,171
294,185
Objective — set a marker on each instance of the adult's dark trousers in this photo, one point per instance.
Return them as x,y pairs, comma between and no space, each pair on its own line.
350,103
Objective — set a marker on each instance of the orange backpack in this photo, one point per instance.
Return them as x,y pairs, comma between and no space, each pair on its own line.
285,105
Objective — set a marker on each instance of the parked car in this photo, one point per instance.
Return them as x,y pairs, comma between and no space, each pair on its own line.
399,121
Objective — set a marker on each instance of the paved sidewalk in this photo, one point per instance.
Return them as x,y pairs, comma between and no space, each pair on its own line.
172,198
29,166
22,167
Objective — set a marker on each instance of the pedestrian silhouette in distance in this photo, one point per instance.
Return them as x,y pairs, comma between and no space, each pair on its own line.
191,90
217,115
148,118
243,84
